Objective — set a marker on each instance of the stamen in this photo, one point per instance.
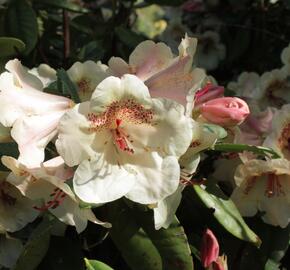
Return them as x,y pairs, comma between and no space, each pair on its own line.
120,138
274,187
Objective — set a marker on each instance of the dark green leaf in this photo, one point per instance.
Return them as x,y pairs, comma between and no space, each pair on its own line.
96,265
171,243
135,246
36,247
64,4
66,86
60,257
21,23
94,50
259,150
226,213
128,37
10,46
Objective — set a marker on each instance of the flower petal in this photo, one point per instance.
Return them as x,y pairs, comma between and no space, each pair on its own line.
87,76
75,140
156,177
102,180
32,135
119,67
165,211
149,58
16,101
114,89
170,132
23,77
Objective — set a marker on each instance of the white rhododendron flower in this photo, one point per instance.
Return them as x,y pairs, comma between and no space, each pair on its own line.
32,114
16,211
47,185
125,143
45,73
10,250
87,76
285,56
247,85
279,138
164,75
264,185
275,88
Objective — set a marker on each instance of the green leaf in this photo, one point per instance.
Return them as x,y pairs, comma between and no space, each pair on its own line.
96,265
66,86
141,245
64,4
226,213
259,150
36,247
8,149
135,246
94,50
171,243
10,46
21,23
60,257
128,37
272,265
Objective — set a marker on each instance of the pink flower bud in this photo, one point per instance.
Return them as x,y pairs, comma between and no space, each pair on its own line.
209,248
225,111
207,93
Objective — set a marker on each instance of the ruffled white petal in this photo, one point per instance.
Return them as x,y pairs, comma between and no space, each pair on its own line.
102,180
114,89
166,134
32,135
165,211
156,177
76,142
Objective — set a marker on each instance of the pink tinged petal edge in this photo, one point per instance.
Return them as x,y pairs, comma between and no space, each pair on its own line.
32,134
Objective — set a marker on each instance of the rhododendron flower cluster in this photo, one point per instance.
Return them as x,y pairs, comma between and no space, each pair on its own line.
127,138
137,132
